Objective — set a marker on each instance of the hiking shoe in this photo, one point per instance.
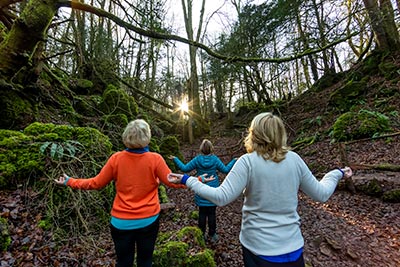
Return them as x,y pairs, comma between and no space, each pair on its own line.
214,238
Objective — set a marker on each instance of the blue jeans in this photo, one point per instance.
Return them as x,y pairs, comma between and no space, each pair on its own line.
143,239
251,260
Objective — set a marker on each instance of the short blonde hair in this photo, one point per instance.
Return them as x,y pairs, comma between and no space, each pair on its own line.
267,136
137,134
206,147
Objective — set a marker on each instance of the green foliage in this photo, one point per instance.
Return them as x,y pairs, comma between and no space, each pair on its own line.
5,239
185,248
363,124
57,151
27,154
392,196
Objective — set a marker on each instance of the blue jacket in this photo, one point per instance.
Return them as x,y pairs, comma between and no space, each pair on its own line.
209,164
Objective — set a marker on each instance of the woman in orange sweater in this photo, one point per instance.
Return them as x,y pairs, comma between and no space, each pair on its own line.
136,173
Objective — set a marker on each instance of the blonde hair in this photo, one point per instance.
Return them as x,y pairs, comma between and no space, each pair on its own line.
267,136
206,147
137,134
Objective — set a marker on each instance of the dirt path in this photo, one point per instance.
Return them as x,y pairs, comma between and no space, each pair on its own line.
348,230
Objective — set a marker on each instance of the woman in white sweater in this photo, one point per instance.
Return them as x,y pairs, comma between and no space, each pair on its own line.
269,176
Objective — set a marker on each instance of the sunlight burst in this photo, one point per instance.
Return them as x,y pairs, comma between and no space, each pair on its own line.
184,106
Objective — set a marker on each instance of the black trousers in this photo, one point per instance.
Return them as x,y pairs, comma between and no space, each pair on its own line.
208,212
251,260
143,239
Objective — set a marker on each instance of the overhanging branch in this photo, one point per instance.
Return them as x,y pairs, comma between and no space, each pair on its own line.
162,36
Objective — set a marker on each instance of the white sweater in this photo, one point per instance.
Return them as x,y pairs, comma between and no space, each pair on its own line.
270,222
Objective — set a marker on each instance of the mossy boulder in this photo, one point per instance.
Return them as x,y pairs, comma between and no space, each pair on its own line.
392,196
26,154
117,101
5,239
357,125
183,248
372,188
15,110
81,86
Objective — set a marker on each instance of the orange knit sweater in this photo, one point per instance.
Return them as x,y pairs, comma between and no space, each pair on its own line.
136,177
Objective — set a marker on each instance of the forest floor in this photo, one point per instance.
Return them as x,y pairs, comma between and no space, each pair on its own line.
348,230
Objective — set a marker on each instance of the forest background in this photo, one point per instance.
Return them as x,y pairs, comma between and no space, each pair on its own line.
73,73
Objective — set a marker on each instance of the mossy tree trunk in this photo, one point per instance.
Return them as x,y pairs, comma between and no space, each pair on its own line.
381,16
20,44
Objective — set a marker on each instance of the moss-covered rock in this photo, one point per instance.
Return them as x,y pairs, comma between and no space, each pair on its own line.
5,239
183,248
358,125
392,196
117,101
27,154
372,188
81,86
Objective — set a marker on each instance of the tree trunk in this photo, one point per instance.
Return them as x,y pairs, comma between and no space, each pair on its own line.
382,22
22,41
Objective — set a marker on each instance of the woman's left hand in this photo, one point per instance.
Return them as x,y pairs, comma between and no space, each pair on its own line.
175,178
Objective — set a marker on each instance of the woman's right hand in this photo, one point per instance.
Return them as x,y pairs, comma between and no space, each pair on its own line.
61,180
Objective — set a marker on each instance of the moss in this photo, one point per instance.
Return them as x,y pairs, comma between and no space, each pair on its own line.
204,258
183,248
194,214
5,239
14,109
389,70
193,234
344,97
392,196
327,81
153,146
87,105
173,253
162,194
117,101
24,153
81,86
170,146
358,125
372,188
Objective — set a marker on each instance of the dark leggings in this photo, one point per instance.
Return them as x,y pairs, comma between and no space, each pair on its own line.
126,240
251,260
210,213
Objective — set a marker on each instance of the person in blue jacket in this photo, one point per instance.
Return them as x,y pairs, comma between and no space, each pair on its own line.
206,163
